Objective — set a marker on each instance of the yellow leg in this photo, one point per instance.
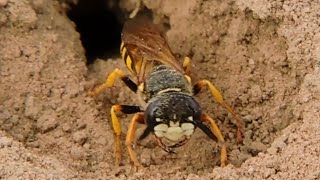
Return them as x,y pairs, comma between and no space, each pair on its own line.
218,97
137,118
117,128
108,83
187,65
215,130
117,132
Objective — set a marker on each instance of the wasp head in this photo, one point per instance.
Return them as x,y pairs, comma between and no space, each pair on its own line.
172,115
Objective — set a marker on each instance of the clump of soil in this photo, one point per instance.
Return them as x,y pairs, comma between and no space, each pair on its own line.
262,55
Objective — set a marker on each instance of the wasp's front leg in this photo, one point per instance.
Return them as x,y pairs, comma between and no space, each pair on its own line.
137,118
109,82
217,133
117,128
218,97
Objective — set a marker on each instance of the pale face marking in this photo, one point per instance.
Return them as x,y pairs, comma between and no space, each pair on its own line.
187,126
174,131
159,133
188,132
161,127
190,118
158,120
174,124
188,129
174,116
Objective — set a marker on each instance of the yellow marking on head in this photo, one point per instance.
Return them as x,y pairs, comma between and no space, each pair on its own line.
174,124
161,127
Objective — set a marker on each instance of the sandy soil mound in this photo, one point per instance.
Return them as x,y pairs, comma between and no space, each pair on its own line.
263,55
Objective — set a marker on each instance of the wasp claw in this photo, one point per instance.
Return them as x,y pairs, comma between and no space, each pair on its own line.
137,166
240,136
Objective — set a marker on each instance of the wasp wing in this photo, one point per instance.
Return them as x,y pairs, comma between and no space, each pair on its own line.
147,47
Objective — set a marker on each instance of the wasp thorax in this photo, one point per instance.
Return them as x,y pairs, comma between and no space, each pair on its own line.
171,116
164,79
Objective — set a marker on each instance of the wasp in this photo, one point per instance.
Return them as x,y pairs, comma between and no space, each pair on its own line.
167,106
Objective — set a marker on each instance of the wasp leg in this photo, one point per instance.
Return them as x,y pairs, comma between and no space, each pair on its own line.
215,130
218,97
136,10
110,81
187,65
116,126
137,118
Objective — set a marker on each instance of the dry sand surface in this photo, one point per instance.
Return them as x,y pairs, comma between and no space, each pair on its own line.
264,55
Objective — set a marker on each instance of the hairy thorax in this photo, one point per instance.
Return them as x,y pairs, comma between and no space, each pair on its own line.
163,79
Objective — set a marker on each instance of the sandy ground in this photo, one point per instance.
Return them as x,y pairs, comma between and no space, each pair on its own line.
264,56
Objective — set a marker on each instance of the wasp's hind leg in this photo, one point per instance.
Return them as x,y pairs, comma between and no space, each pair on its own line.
218,97
117,128
110,81
187,65
216,131
137,118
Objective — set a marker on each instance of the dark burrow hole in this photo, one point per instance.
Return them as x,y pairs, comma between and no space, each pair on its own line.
99,25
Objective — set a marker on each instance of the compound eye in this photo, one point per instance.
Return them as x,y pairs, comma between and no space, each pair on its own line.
150,113
194,106
150,119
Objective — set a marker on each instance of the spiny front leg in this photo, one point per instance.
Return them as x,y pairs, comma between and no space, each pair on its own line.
110,80
137,118
217,133
117,128
218,97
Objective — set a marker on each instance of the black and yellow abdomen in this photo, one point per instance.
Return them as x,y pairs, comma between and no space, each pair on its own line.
128,60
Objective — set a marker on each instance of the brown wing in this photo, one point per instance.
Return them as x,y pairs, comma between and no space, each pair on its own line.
146,47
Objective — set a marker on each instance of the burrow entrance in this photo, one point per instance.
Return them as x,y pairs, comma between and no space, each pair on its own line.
99,25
